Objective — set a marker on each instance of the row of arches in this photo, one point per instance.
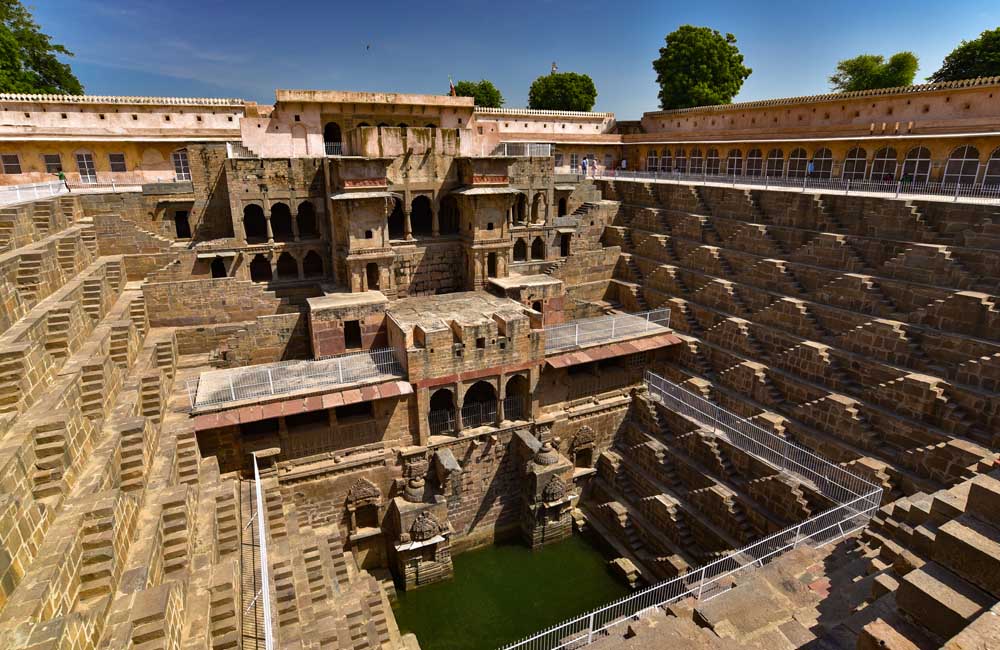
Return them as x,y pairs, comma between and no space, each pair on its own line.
480,405
539,249
422,217
282,226
963,165
285,267
333,134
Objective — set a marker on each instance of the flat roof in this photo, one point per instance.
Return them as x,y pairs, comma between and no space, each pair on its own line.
513,281
466,307
359,97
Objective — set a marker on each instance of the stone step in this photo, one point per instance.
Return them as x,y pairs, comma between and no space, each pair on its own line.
971,549
939,600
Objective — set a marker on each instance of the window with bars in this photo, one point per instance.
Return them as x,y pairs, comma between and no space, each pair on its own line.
962,166
855,164
775,163
117,162
712,163
181,168
823,163
85,165
884,165
755,163
734,162
11,163
53,163
992,174
917,165
798,164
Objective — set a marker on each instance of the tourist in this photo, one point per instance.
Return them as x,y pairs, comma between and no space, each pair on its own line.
62,177
810,168
583,166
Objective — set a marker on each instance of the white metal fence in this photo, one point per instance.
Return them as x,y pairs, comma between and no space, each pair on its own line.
523,149
274,379
261,601
977,192
603,329
334,148
858,501
16,193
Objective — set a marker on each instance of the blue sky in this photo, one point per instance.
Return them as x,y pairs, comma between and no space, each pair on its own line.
248,48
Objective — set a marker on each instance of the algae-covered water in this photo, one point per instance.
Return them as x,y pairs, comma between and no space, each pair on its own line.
505,592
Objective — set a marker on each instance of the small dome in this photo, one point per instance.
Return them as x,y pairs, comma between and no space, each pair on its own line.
547,455
414,492
424,527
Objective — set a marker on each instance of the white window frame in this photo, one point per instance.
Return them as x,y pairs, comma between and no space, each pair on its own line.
182,167
86,167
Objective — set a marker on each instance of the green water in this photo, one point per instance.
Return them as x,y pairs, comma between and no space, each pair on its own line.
505,592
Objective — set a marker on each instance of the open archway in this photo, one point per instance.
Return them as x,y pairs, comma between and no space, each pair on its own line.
281,222
312,265
372,275
421,218
517,398
306,220
441,416
538,249
491,265
538,208
219,268
448,216
561,211
287,267
254,223
520,251
480,405
396,220
260,269
331,133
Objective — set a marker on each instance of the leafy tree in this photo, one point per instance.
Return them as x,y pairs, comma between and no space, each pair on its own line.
28,62
699,67
563,91
979,57
485,93
867,71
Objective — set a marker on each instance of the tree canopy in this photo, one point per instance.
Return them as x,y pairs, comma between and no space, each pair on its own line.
979,57
563,91
28,58
699,67
484,92
867,71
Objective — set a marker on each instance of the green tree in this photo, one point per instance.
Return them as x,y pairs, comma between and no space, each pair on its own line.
28,58
563,91
484,92
699,67
979,57
867,71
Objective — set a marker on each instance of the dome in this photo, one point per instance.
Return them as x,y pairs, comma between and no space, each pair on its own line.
547,455
414,492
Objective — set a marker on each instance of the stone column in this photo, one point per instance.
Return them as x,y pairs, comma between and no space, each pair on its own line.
295,220
459,400
302,272
502,395
435,226
407,228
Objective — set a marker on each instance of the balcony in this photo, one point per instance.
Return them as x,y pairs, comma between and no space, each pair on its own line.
605,329
334,148
523,150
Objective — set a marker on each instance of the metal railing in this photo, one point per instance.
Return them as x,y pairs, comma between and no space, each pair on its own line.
442,421
334,148
16,193
122,181
603,329
715,578
980,192
217,387
523,149
477,414
262,599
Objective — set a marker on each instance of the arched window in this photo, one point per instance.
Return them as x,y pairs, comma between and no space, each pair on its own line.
962,166
884,165
363,125
219,268
797,163
917,165
260,269
823,163
441,417
306,218
666,162
421,219
652,161
312,265
538,249
448,216
695,162
734,162
182,169
331,133
396,220
992,175
520,251
254,224
517,399
372,275
287,267
538,206
775,163
755,162
480,405
520,209
680,161
281,222
712,162
855,164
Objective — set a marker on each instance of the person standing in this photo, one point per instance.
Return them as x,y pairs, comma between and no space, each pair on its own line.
810,168
62,177
583,166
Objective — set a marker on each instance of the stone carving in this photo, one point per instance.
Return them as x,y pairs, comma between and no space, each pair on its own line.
584,437
555,490
424,527
363,493
547,455
414,491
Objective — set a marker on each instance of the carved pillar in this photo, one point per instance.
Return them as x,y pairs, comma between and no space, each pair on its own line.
435,226
298,264
502,393
407,228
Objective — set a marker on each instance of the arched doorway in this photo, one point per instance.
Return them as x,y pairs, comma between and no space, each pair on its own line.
421,218
331,133
287,267
991,176
480,405
441,417
306,220
521,209
712,164
181,224
281,222
260,269
755,163
448,216
680,161
491,265
695,161
516,402
538,249
396,220
372,274
520,251
312,265
561,211
797,163
254,223
538,208
734,162
219,268
652,161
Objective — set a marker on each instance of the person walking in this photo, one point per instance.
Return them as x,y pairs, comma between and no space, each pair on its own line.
62,177
583,166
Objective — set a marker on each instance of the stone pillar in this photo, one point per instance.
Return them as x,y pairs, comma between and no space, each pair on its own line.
270,233
407,228
501,396
435,226
459,400
298,264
